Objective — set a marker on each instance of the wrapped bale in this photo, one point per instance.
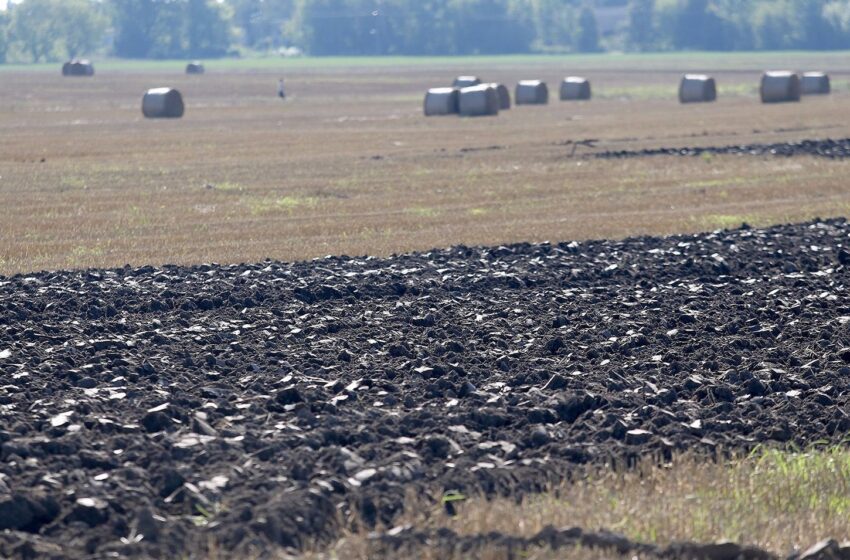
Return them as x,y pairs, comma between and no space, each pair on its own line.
478,101
195,67
466,81
78,68
531,92
162,103
441,101
697,88
780,87
504,96
574,88
815,83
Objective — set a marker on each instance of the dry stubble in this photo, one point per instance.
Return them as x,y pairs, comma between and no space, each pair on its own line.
348,165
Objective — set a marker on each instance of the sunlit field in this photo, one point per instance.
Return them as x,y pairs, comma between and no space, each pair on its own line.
528,401
348,164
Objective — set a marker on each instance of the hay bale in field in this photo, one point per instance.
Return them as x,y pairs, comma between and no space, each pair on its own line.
441,101
531,92
815,83
780,87
162,103
504,96
575,88
195,67
697,88
478,101
466,81
78,68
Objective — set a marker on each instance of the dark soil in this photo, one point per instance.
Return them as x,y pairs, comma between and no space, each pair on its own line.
831,149
144,411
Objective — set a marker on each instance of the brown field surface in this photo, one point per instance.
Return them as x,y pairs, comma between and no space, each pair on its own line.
348,164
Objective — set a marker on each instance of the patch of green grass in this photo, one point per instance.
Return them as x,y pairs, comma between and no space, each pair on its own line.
710,183
423,212
685,61
660,91
669,90
82,255
228,186
777,499
727,221
288,203
72,182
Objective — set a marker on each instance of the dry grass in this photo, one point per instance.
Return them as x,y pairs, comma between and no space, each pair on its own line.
349,165
776,500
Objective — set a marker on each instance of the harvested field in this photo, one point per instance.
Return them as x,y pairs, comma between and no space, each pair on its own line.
249,408
348,164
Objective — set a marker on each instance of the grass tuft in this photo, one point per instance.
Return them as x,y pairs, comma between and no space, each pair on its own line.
781,501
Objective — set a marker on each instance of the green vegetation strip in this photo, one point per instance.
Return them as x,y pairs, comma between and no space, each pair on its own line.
774,499
681,61
777,500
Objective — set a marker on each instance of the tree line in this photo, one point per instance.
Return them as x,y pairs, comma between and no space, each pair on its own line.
50,30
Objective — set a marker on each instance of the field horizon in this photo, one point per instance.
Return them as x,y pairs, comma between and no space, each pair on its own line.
682,60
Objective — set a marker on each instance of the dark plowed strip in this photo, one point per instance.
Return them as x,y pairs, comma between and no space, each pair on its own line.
831,149
252,403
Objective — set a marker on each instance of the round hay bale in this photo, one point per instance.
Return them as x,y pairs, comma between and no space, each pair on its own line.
815,83
441,101
504,96
697,88
531,92
162,103
78,68
195,67
478,101
466,81
575,88
780,87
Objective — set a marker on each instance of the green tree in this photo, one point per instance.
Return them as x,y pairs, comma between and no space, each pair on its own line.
84,27
4,45
773,26
34,29
554,23
262,25
818,32
588,31
208,32
134,22
47,30
170,29
641,34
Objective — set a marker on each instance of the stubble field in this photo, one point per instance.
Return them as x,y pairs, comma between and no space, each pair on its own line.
348,164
